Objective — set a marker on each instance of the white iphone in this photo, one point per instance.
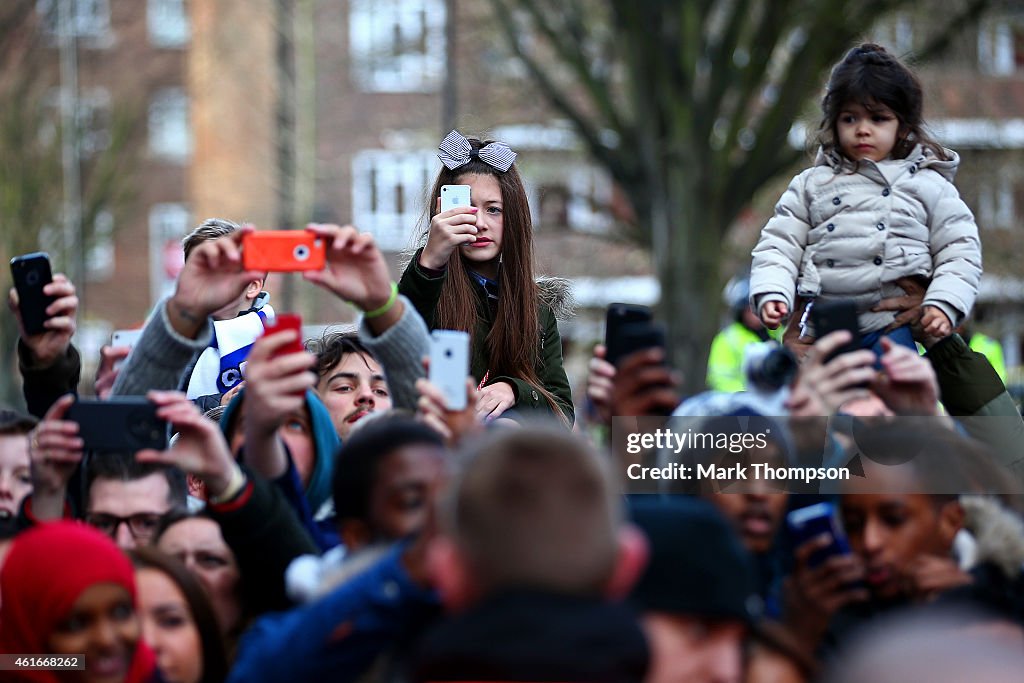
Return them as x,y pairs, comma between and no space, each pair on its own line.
449,365
454,196
125,338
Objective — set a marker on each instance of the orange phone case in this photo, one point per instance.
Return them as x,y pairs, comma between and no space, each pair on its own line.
283,251
287,321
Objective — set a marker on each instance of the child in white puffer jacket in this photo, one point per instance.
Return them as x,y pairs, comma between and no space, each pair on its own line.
878,204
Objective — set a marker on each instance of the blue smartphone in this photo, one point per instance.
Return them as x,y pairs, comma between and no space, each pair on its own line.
813,521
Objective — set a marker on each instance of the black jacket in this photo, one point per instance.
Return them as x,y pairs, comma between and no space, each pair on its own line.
529,635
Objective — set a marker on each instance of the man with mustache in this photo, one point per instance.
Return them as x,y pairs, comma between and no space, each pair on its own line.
350,382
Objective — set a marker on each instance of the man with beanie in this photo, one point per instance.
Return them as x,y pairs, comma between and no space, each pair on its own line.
698,596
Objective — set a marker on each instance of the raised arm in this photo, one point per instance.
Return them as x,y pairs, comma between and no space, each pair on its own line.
49,364
391,328
180,328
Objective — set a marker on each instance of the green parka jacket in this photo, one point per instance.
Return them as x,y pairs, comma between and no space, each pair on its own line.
424,290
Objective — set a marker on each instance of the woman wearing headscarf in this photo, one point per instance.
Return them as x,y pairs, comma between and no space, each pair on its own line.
67,589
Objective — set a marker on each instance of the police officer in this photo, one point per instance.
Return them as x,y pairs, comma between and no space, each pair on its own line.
725,362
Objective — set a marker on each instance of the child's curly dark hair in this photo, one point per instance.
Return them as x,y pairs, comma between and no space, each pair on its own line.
870,76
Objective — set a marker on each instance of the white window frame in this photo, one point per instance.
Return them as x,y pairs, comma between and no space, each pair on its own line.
588,188
167,23
170,133
381,65
168,224
996,53
996,203
91,20
100,254
92,119
378,174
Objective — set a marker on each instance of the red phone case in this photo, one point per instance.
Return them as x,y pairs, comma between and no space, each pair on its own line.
283,251
287,321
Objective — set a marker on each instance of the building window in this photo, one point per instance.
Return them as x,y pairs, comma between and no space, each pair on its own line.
170,136
92,120
996,204
1001,47
168,223
898,35
388,194
99,255
88,19
167,23
578,198
397,45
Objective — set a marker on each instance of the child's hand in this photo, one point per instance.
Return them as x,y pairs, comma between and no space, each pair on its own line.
772,314
935,322
448,231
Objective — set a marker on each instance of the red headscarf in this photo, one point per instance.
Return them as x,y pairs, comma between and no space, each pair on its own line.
46,571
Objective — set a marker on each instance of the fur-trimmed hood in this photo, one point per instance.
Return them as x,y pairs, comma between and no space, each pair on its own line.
556,293
994,535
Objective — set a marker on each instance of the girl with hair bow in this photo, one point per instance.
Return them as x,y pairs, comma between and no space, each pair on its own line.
474,272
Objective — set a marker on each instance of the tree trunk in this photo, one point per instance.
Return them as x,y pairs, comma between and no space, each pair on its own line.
687,252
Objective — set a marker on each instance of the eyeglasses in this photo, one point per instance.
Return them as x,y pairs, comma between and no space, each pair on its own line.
142,525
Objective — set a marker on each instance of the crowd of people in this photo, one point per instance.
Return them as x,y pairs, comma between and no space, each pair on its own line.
324,514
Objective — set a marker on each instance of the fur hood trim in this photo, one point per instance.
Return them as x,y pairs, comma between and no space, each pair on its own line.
997,533
557,294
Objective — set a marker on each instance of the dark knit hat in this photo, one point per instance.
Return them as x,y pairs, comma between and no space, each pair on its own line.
697,565
12,420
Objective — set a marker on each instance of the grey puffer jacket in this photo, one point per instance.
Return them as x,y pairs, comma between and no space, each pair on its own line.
844,233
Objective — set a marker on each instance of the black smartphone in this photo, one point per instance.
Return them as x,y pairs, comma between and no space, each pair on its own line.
620,315
838,314
122,423
31,272
635,337
810,522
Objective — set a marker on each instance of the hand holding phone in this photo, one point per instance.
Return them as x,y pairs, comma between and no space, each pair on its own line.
449,366
31,273
821,519
283,251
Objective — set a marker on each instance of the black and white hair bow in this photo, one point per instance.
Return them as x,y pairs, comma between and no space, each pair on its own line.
455,151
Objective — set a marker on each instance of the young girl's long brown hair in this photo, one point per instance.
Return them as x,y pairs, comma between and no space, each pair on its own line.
513,341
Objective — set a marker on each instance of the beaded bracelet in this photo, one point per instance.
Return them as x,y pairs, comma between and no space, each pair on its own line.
377,312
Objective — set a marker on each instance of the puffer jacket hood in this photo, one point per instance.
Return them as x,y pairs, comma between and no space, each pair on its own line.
996,536
919,157
325,444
